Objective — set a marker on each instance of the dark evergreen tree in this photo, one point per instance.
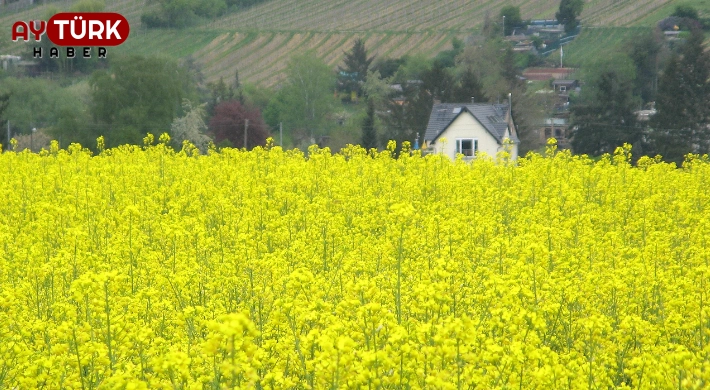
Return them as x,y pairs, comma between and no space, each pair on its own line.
388,67
509,71
4,101
510,15
439,82
469,88
645,53
685,11
353,74
569,12
369,134
681,124
605,119
404,120
447,58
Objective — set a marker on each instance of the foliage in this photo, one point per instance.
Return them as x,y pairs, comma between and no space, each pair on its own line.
681,124
605,119
354,73
403,120
148,268
685,11
413,68
569,12
230,121
377,88
469,88
447,58
220,92
190,127
140,95
646,54
369,133
439,82
388,67
4,102
511,15
498,74
182,13
37,103
307,98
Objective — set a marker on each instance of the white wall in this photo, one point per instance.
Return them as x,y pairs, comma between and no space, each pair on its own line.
466,126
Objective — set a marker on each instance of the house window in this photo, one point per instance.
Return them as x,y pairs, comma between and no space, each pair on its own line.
548,132
563,88
558,133
467,147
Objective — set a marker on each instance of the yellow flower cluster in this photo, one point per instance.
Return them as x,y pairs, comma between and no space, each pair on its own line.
142,267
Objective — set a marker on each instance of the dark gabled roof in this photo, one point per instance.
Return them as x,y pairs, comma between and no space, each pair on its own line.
491,116
564,82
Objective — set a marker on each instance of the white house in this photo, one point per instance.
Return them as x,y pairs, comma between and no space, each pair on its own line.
470,128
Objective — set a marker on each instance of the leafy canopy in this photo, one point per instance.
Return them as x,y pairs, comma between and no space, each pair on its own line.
569,12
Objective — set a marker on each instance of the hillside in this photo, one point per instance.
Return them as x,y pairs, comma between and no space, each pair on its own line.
259,41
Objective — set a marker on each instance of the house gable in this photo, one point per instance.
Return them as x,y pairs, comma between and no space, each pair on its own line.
478,126
466,127
494,118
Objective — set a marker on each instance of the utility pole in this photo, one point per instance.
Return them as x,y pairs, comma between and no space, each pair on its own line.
561,54
504,26
281,134
246,129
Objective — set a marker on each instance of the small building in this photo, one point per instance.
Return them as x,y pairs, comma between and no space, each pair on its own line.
557,128
8,61
564,85
469,129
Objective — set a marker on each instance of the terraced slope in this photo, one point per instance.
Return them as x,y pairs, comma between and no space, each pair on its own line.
259,41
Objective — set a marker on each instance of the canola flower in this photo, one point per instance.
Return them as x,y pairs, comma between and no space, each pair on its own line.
148,268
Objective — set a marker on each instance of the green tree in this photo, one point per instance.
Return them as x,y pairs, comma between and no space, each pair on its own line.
509,70
377,88
4,102
645,51
469,88
369,134
685,11
36,103
354,73
388,67
510,14
569,12
413,68
605,118
680,125
404,120
498,74
439,82
139,95
447,58
307,97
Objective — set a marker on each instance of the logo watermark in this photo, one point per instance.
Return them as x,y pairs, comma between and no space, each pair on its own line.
71,29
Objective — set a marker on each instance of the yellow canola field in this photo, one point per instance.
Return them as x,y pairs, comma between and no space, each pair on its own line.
149,268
